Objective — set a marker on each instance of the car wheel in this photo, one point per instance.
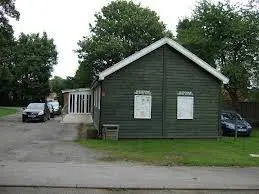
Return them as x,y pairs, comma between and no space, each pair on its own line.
23,120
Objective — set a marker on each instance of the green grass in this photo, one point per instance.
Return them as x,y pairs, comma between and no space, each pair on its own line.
7,111
190,152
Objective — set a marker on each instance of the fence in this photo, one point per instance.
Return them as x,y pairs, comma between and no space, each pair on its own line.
248,110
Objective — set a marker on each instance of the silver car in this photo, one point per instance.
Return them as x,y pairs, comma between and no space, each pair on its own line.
56,107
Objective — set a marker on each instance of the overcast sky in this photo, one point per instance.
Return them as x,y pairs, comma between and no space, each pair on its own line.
68,21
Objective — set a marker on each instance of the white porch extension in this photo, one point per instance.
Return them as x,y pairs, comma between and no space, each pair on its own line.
77,106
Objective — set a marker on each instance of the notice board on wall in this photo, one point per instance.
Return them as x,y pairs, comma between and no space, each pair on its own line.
142,105
185,107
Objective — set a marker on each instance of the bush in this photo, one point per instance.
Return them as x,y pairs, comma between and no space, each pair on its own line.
86,131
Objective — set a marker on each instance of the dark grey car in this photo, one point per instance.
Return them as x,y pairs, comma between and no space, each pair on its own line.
232,121
36,112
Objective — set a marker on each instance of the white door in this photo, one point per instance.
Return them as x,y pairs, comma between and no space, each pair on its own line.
79,103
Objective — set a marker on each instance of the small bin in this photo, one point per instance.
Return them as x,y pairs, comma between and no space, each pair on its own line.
110,131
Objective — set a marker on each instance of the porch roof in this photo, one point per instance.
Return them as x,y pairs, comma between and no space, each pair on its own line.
76,90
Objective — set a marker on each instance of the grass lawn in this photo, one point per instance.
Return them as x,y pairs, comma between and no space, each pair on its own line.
7,111
190,152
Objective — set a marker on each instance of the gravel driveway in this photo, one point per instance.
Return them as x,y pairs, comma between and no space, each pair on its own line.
41,142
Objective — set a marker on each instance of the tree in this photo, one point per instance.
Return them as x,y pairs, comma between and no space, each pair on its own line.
253,94
57,84
35,57
120,29
227,37
7,43
83,75
8,9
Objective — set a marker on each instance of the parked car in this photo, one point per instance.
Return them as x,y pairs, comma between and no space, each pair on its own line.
36,112
231,121
51,110
56,106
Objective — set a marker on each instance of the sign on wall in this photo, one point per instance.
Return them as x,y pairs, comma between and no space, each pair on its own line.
142,104
184,93
185,107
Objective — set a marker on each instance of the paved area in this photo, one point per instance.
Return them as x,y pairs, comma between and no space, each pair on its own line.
51,141
40,190
115,175
44,155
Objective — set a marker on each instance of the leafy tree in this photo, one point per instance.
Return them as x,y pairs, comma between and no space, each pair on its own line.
34,60
253,95
227,37
70,83
57,84
120,29
8,9
83,75
7,43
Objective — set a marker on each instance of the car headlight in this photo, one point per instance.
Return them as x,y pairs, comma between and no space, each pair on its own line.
248,126
24,113
41,113
230,125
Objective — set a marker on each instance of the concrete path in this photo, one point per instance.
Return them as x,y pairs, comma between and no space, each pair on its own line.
77,118
114,175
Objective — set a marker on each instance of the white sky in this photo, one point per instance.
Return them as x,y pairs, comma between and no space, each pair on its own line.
68,21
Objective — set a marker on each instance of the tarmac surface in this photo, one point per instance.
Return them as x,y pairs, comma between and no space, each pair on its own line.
44,190
43,158
51,141
128,176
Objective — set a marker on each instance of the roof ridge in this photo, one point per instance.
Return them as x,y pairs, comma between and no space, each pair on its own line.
156,45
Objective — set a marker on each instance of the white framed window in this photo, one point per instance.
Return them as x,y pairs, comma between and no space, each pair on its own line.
185,107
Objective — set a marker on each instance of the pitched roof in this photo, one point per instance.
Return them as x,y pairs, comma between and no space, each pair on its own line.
156,45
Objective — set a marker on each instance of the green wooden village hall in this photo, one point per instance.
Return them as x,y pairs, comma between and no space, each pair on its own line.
161,91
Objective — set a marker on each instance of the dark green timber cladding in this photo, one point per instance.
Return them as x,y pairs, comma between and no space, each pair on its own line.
96,117
184,75
163,71
118,103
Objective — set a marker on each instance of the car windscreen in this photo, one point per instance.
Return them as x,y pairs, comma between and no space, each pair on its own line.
231,116
54,104
36,106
